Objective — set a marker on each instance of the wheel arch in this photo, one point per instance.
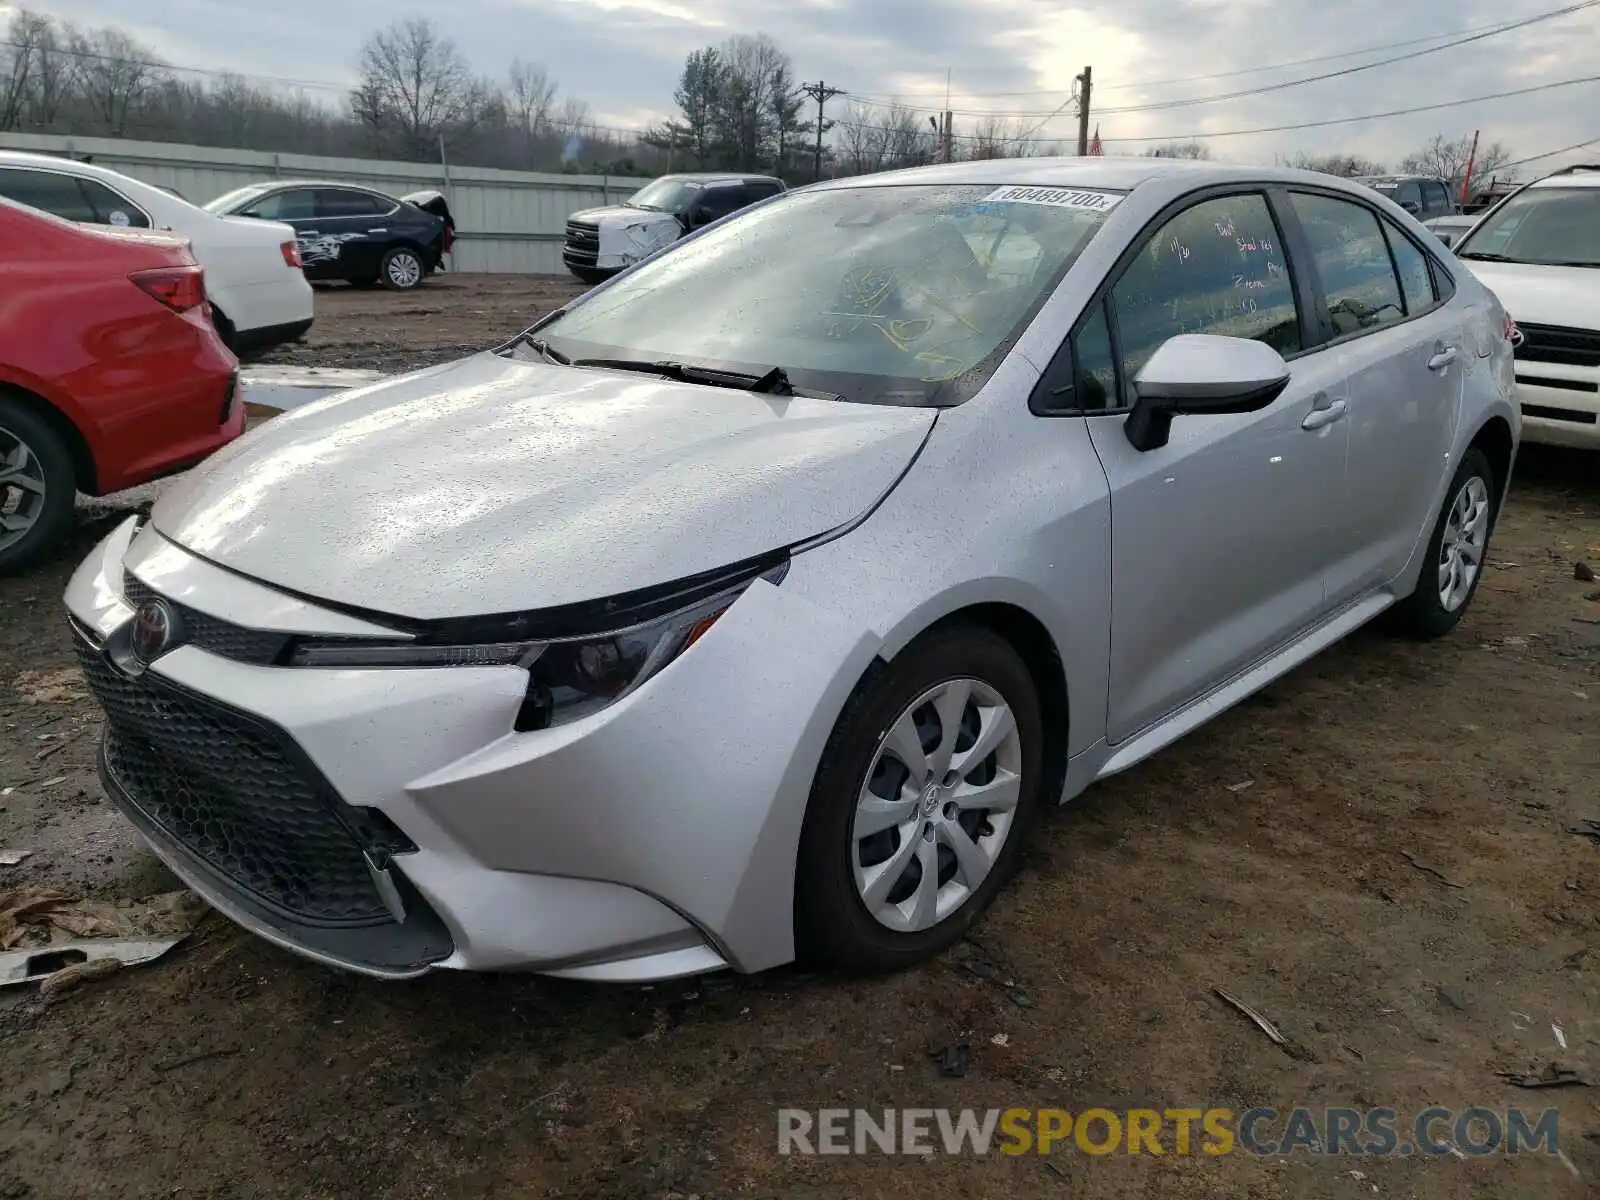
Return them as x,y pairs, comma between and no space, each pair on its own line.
1494,439
84,473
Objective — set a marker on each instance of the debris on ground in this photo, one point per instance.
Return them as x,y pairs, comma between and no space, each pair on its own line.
1552,1076
1428,868
10,858
1588,827
1278,1038
1583,572
50,937
1242,786
952,1060
1450,999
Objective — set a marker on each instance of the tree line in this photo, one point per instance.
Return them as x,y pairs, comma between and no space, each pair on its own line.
740,106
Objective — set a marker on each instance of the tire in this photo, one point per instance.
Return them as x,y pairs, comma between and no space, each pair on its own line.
1472,494
401,269
32,451
590,276
225,329
834,924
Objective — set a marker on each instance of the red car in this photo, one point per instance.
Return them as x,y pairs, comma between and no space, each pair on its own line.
111,373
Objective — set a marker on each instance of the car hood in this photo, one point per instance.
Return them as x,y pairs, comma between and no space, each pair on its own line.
1568,296
493,485
621,214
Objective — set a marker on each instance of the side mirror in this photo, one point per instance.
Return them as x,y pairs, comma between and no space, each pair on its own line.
1411,206
1198,373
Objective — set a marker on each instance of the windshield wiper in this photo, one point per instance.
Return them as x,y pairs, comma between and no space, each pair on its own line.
773,382
543,349
1486,256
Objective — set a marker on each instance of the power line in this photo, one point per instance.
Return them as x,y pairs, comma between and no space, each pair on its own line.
1155,83
1396,112
162,65
1185,102
1550,153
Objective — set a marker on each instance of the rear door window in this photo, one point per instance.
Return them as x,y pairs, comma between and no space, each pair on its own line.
110,208
1352,259
1416,280
342,202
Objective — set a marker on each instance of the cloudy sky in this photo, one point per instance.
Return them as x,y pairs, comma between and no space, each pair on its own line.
1002,56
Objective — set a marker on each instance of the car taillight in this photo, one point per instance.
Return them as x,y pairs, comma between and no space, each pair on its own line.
449,238
179,288
291,254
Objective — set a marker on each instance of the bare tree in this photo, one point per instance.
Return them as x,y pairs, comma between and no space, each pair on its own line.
881,139
573,117
115,74
747,128
531,96
1446,158
1195,150
18,62
995,137
415,85
1344,165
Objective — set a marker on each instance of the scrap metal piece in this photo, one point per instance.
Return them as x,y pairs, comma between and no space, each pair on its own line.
37,963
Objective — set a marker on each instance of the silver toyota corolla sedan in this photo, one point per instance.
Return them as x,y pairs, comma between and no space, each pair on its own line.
753,605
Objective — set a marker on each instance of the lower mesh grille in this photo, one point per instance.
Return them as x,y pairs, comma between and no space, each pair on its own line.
237,794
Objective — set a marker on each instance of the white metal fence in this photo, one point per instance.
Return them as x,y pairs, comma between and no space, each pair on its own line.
509,222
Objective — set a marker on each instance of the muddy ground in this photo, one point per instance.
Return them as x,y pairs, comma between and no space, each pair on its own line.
1395,889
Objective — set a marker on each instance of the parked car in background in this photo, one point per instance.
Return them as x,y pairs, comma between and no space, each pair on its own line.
1487,196
1007,474
602,241
111,372
1422,196
258,295
1449,229
352,233
1539,250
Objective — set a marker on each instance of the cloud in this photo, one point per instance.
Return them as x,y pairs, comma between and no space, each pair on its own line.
1015,58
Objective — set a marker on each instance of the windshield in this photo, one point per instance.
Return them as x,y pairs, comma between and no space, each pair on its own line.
1552,226
665,195
885,295
228,201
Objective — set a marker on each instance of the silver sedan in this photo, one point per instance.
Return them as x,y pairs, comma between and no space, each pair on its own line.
754,605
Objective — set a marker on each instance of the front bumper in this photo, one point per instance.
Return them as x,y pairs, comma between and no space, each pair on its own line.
653,839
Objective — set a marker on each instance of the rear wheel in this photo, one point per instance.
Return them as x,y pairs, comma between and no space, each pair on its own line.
1457,552
37,485
224,328
590,275
920,805
401,269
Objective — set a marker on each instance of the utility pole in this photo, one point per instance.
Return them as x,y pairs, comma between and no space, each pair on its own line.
1083,82
821,93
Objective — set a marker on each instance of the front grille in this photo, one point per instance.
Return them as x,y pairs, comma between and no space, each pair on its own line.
212,634
237,793
583,244
1559,344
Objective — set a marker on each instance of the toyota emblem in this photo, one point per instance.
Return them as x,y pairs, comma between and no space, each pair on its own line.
152,631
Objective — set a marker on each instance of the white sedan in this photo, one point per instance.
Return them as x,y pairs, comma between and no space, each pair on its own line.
258,292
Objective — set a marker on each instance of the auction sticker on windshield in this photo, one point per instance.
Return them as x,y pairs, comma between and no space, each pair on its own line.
1055,197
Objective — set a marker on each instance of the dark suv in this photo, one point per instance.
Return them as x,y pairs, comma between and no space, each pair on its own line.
602,241
353,233
1420,195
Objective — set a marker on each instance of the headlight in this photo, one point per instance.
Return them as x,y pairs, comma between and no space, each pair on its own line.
567,677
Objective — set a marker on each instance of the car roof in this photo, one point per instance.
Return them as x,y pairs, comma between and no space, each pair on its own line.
1586,175
71,166
1369,179
1118,174
279,184
715,177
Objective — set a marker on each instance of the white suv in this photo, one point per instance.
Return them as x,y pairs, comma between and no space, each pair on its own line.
1539,251
258,291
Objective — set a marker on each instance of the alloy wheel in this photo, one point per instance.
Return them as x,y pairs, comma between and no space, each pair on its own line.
1466,537
405,270
22,489
937,805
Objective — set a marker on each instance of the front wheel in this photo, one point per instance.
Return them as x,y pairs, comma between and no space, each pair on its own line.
37,486
1457,552
920,805
401,269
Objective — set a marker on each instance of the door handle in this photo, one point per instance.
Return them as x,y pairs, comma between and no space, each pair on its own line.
1442,358
1324,411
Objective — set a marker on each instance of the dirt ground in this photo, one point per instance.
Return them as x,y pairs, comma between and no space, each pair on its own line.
1373,853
